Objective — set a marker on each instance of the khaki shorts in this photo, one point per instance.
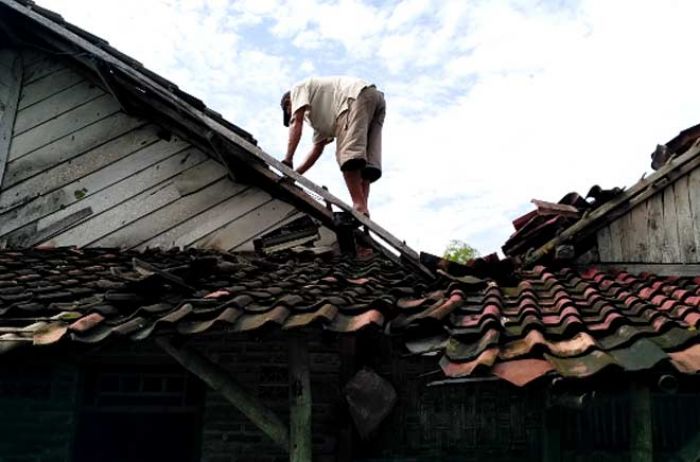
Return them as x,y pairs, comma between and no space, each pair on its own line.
358,133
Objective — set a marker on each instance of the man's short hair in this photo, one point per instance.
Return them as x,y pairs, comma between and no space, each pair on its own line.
286,108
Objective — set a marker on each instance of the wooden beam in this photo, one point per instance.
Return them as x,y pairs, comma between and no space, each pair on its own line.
551,437
300,448
641,449
11,77
220,380
660,269
616,207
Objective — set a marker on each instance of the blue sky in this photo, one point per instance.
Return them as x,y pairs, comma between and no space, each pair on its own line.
489,103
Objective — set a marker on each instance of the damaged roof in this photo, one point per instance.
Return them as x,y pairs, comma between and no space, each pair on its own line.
518,326
143,92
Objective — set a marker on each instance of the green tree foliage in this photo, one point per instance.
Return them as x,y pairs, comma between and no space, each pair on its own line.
459,251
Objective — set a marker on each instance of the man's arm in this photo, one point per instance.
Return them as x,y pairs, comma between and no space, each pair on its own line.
295,129
313,156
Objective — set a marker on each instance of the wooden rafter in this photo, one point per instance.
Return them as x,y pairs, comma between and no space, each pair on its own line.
220,380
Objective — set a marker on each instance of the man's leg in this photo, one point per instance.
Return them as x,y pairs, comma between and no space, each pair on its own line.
365,192
358,192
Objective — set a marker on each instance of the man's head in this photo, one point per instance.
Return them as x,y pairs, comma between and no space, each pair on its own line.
286,104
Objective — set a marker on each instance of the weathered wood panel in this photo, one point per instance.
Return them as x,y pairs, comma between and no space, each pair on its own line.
52,200
211,220
42,67
70,146
144,192
684,221
670,250
694,205
635,233
82,172
55,105
10,84
66,172
664,229
245,228
604,245
47,86
65,124
616,231
171,215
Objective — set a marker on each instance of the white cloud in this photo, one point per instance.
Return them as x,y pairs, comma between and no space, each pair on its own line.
489,103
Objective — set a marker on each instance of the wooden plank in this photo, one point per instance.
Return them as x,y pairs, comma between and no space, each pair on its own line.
55,105
85,164
670,252
641,430
11,73
173,214
694,199
684,221
41,68
70,147
617,231
637,233
43,204
46,87
30,56
300,448
65,124
210,220
655,223
245,227
604,244
135,206
220,380
660,269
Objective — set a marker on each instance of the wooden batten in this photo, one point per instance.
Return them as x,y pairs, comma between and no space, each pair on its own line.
220,380
300,445
11,71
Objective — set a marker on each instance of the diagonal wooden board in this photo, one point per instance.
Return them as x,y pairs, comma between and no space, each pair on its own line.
11,77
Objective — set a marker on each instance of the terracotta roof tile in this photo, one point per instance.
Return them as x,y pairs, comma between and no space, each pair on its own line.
521,327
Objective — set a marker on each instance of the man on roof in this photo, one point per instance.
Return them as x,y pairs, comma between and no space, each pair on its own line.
349,110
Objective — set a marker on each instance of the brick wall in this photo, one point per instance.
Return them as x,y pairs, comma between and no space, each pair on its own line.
37,401
260,365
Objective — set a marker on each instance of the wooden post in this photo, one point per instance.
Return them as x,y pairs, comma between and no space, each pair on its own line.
641,449
300,449
218,379
551,442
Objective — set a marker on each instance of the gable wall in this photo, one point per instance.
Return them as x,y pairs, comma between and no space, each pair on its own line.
80,171
663,229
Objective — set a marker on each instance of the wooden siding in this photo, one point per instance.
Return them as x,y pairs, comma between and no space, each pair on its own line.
79,171
663,229
11,70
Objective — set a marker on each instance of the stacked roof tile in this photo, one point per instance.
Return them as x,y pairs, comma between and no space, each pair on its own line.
566,322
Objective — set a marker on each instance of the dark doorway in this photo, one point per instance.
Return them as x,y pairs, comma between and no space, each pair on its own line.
139,413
